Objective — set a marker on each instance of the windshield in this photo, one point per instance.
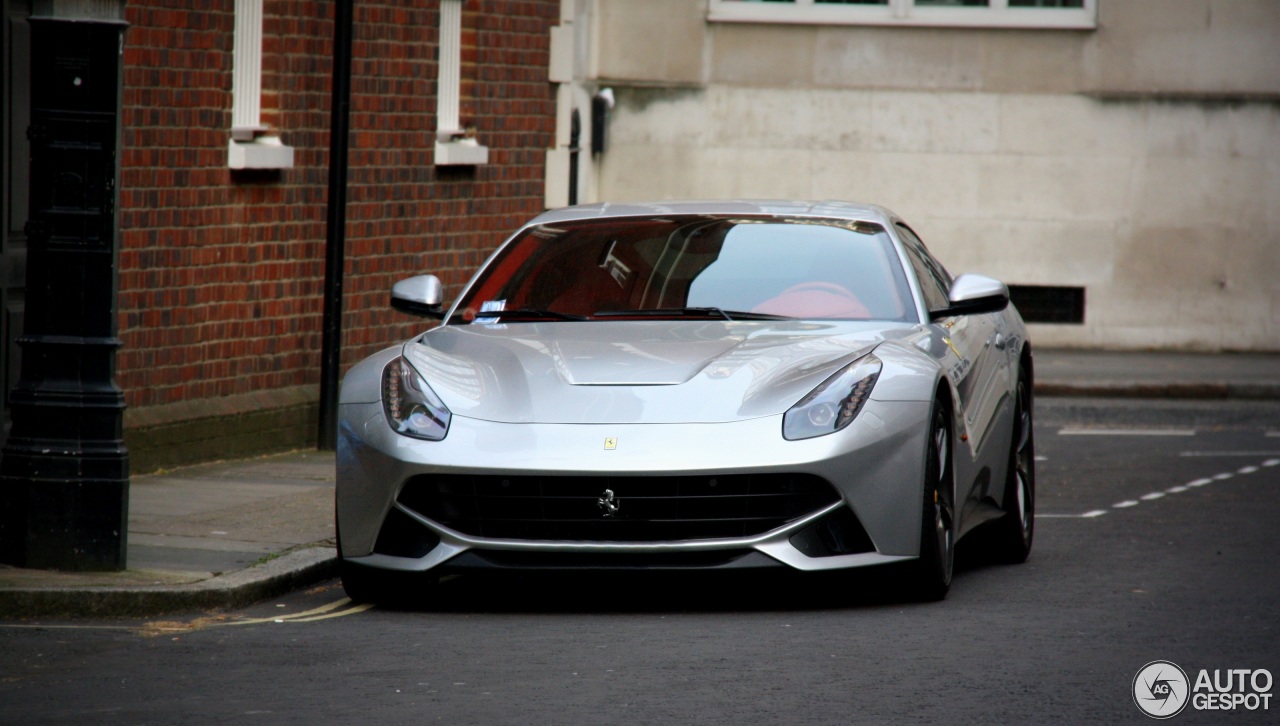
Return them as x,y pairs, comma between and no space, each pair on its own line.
693,267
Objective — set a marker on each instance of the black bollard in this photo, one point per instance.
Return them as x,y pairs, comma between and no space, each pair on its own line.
64,476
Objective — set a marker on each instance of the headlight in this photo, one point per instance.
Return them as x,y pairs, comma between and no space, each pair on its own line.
412,408
835,403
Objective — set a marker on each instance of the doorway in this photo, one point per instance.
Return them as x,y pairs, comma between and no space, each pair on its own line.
15,99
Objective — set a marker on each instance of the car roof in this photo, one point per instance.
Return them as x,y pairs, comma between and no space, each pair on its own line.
754,207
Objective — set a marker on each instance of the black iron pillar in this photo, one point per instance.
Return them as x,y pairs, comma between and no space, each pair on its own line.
575,135
64,476
336,225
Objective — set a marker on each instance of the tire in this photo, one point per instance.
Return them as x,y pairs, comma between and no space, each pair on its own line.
931,573
1014,532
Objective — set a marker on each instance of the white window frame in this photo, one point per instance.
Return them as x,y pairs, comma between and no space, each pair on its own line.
455,146
997,14
252,145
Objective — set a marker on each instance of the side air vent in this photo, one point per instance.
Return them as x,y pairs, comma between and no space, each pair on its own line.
400,536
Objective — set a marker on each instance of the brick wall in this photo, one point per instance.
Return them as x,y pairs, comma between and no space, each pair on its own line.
221,272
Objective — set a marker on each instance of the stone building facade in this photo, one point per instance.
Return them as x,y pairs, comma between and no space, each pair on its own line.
1118,161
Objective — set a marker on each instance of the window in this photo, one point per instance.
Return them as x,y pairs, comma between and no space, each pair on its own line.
935,281
1080,14
1049,303
689,266
252,145
455,146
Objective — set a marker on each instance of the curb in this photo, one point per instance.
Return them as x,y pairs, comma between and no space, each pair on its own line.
1186,391
288,572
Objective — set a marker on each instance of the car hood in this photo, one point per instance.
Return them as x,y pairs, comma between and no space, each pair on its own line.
636,371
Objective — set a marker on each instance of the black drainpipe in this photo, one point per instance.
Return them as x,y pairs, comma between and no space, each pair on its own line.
336,237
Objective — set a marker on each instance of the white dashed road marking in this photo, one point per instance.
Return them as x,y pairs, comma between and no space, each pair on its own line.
1153,496
1127,432
1223,454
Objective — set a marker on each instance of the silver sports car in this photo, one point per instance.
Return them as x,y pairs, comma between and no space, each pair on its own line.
682,385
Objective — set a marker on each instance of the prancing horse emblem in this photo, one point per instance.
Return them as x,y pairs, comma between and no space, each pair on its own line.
608,504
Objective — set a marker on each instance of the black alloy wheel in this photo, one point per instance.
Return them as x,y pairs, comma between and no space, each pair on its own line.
1016,529
933,571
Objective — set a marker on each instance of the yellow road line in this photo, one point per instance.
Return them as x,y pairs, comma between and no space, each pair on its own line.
340,613
293,616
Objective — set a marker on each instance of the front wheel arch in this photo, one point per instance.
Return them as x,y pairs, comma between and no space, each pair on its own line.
931,573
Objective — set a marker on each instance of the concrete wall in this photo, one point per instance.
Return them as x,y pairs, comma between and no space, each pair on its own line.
1139,160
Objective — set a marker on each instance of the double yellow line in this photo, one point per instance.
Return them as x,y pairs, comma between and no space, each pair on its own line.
324,612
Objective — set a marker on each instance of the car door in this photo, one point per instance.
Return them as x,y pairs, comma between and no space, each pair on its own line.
970,339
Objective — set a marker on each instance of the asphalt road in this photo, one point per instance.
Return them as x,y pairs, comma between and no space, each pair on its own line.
1156,540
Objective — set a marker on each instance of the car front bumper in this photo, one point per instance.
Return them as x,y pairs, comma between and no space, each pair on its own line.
875,466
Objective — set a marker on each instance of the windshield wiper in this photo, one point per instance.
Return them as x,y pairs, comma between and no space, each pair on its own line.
704,312
528,314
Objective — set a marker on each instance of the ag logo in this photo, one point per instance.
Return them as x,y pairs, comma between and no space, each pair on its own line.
1160,689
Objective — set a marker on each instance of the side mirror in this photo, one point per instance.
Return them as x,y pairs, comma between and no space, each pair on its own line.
422,296
973,294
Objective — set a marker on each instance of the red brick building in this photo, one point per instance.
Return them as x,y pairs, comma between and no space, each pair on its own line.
221,269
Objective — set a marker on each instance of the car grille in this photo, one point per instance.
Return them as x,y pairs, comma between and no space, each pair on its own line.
668,561
649,508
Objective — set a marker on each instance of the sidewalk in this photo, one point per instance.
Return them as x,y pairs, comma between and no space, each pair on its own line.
227,534
1158,375
214,535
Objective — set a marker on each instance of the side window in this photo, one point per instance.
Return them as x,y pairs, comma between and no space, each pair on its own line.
934,280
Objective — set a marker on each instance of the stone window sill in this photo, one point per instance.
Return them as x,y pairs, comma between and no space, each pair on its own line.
461,152
262,152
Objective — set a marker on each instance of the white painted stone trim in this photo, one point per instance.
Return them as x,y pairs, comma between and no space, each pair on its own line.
450,69
263,152
252,146
904,13
461,152
246,71
453,146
